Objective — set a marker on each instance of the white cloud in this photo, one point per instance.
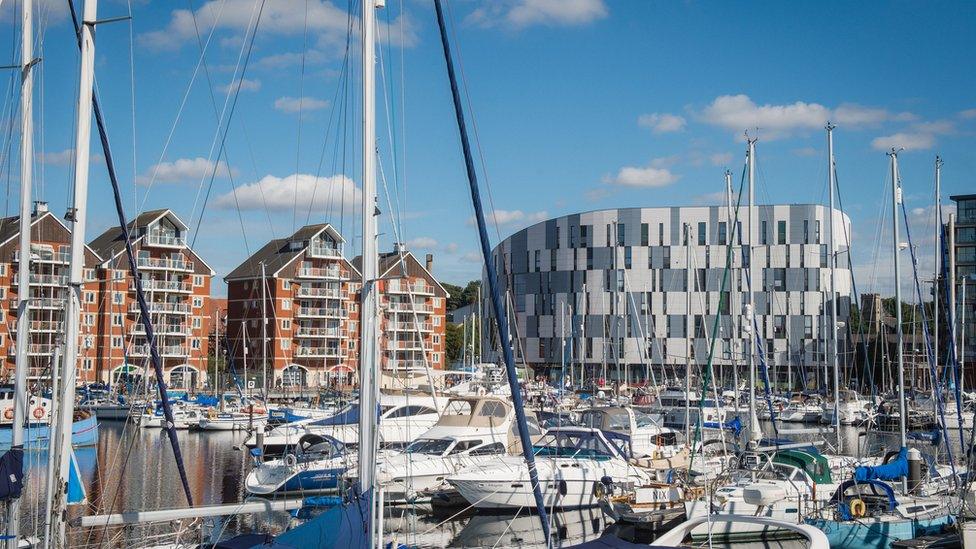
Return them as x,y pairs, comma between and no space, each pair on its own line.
472,257
422,242
904,140
662,122
510,217
296,104
246,85
720,159
968,113
451,248
60,158
650,176
937,127
183,169
717,198
325,21
805,151
281,193
739,113
526,13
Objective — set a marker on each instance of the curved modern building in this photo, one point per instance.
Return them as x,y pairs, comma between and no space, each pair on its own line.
619,290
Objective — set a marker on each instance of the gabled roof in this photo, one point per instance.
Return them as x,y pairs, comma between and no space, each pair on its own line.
389,267
110,244
10,228
277,254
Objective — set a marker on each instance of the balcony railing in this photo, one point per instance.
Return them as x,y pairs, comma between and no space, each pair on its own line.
321,293
163,286
163,329
158,307
38,326
397,365
404,346
402,287
46,257
406,307
39,303
168,240
324,251
411,326
164,350
321,272
164,263
320,332
44,280
321,312
320,352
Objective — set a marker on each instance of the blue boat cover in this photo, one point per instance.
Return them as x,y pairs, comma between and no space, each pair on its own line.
206,400
245,541
76,488
933,437
12,473
342,526
349,416
734,425
889,471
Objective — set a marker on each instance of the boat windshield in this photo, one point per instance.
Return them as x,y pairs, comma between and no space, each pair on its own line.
572,444
458,408
644,420
429,446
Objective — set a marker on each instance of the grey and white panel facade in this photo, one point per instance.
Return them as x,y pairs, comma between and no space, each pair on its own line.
614,284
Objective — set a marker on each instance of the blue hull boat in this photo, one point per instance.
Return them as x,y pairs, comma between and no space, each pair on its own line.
84,432
878,532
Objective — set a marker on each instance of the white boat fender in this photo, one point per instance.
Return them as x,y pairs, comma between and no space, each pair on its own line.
291,460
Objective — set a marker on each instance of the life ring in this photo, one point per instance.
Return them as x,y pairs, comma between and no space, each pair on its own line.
290,460
858,508
481,391
8,413
38,412
212,414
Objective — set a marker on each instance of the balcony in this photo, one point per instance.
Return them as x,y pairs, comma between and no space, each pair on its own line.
320,312
44,280
410,327
414,288
407,307
404,346
332,273
40,303
164,264
318,352
323,250
38,256
164,240
319,332
319,293
163,330
404,365
163,286
164,350
40,326
160,307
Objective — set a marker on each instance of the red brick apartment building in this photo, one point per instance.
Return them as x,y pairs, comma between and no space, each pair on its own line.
413,314
311,305
311,311
176,283
50,254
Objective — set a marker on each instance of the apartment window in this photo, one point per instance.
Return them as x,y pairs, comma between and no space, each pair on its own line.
621,232
285,344
781,232
3,269
197,302
286,324
542,348
722,230
286,284
89,297
584,235
437,321
117,298
435,357
3,293
557,237
667,257
117,342
702,234
816,231
552,260
806,231
589,259
660,234
286,304
645,236
538,261
762,234
89,275
118,274
116,320
572,236
436,339
198,280
89,320
628,257
88,363
808,327
609,235
195,344
197,322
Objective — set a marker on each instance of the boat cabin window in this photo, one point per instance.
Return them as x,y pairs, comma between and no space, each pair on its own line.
429,446
572,444
493,409
407,411
532,424
464,446
489,449
458,408
644,420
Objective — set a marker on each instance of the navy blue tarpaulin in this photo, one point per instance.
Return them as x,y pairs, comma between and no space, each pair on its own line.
895,470
12,473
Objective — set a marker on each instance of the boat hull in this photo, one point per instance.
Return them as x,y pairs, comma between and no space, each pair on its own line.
84,432
868,532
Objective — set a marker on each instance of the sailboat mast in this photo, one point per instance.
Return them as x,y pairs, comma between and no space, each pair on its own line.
899,335
754,435
77,216
689,327
937,263
368,387
734,321
832,332
264,332
23,268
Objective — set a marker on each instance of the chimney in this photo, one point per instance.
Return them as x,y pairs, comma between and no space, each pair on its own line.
430,263
40,207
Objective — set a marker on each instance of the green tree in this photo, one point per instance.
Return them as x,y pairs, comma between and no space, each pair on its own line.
453,341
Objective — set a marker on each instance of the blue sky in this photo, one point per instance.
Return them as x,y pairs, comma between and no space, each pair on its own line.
579,104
